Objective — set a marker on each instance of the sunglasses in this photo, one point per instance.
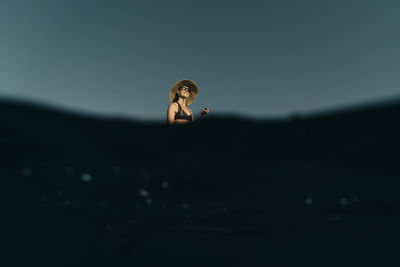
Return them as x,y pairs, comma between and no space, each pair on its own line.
187,89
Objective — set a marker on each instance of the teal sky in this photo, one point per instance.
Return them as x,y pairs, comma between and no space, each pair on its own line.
254,58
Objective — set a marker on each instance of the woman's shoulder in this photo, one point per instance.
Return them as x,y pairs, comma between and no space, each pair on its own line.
173,105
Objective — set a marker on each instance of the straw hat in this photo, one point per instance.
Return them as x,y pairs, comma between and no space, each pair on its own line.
193,87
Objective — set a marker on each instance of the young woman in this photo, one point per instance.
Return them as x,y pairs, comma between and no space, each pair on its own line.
182,94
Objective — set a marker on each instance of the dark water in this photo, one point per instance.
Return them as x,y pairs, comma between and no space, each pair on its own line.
79,191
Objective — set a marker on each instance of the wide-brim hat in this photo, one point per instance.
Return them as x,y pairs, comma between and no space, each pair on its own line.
193,88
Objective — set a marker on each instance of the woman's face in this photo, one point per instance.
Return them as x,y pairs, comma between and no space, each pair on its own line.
184,91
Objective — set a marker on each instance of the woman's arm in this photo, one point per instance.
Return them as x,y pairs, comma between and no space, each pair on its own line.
203,112
200,115
172,109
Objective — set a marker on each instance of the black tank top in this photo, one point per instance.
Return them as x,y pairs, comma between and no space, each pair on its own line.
181,114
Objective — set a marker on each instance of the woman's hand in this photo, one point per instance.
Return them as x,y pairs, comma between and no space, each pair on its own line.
205,111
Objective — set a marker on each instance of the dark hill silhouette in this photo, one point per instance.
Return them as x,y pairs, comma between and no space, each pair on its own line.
223,191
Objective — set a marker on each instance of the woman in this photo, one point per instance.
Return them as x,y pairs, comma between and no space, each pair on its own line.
182,94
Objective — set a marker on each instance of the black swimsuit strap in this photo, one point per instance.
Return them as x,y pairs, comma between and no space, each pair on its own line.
183,110
182,113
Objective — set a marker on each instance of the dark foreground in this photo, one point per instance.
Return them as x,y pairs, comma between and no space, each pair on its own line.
81,191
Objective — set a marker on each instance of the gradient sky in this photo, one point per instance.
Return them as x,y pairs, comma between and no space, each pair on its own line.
255,58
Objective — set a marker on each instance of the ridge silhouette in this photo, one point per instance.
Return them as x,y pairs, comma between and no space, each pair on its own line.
79,190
